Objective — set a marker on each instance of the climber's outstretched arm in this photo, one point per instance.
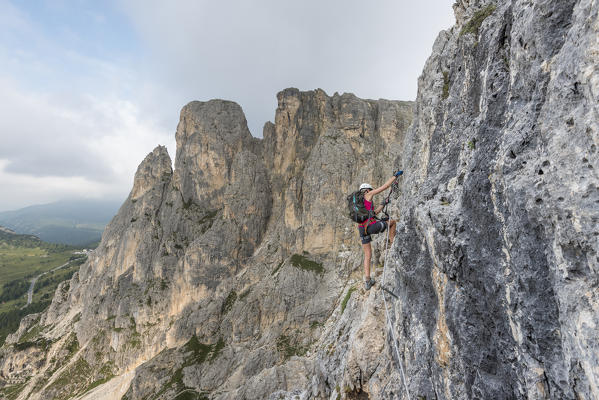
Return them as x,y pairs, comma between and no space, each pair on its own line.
368,196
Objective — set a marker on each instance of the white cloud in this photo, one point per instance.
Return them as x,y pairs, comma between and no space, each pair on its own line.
77,123
98,138
28,190
54,148
248,51
71,125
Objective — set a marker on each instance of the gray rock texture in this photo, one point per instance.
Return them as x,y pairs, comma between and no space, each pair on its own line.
496,257
236,276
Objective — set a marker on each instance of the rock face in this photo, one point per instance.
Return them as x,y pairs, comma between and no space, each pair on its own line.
237,277
497,254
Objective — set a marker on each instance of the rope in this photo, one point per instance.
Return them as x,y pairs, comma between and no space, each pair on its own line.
394,341
335,232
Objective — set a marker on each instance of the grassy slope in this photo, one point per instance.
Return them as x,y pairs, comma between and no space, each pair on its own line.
23,256
23,263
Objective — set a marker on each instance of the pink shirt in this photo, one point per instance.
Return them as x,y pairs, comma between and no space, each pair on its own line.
368,205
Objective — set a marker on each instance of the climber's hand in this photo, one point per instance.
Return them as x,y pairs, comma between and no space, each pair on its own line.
398,173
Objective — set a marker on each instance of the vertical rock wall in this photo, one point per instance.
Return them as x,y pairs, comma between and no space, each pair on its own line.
497,253
320,149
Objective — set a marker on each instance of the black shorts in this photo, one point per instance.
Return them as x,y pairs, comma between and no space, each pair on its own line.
377,227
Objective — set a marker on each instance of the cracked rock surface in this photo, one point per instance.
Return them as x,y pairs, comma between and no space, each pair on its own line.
496,257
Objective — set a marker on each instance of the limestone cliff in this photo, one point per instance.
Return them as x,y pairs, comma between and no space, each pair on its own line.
237,277
497,254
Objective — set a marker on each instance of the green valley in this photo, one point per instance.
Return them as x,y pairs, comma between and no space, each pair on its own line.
23,258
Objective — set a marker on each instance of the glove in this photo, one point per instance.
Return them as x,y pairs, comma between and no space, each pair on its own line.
398,173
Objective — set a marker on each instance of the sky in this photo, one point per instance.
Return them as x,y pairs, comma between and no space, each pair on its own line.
88,88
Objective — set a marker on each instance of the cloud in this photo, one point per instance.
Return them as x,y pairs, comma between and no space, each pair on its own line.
71,124
42,137
89,88
248,51
28,190
96,138
66,147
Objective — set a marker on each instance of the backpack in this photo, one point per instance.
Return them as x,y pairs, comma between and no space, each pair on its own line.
356,209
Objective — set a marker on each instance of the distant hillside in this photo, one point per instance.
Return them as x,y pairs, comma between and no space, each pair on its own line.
10,237
74,222
6,230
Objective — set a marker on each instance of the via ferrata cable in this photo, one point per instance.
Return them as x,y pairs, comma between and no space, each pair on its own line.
394,340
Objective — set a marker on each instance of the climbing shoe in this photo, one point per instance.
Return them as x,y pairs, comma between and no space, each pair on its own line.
368,284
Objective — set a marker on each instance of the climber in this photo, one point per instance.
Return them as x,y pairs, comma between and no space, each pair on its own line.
373,225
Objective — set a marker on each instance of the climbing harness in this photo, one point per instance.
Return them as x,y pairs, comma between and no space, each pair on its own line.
383,289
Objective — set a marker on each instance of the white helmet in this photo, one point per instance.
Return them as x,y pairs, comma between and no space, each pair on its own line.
365,186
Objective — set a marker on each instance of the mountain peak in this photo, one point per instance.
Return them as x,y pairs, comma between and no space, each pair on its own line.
155,168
